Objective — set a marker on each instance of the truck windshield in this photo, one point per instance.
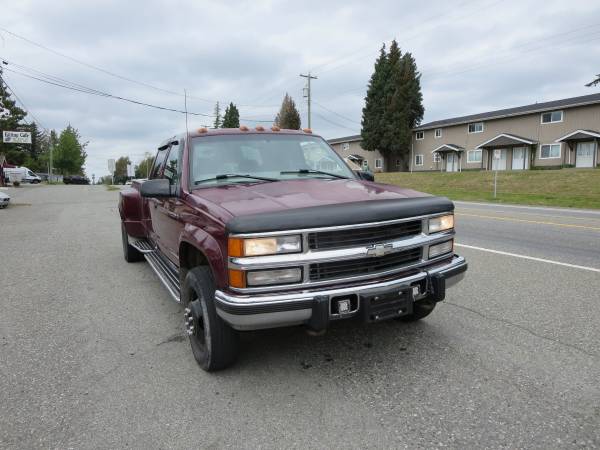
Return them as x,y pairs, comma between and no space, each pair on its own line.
268,156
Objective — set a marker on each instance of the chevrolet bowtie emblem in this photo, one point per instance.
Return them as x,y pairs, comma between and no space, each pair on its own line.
379,249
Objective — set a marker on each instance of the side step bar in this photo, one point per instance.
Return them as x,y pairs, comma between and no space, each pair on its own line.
143,246
166,271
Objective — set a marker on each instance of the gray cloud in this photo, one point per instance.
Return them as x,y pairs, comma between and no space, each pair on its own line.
474,55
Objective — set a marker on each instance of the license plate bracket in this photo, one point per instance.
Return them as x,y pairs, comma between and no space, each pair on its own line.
387,304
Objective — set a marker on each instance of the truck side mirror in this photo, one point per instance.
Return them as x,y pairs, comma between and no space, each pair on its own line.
160,187
365,175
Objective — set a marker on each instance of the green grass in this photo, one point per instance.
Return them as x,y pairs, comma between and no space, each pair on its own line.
575,188
112,188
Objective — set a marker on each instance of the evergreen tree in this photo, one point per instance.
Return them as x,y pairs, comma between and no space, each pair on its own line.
218,120
288,116
231,119
69,152
372,117
393,105
11,117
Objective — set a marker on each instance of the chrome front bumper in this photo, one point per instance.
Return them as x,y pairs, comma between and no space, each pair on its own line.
252,312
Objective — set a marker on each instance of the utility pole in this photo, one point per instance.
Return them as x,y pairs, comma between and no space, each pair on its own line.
307,92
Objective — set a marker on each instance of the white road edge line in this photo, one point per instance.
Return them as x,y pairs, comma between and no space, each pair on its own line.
531,258
542,208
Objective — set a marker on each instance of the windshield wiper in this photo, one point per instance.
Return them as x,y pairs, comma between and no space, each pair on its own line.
317,172
225,176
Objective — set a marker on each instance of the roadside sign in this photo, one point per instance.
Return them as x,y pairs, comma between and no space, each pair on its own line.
111,165
16,137
130,171
498,154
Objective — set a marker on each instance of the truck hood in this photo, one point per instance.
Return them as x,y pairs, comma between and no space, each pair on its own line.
255,198
314,202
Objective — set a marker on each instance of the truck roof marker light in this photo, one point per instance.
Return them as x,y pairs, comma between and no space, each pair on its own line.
259,128
243,128
275,128
307,130
202,130
237,278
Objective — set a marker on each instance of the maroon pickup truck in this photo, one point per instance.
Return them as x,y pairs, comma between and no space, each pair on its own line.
255,229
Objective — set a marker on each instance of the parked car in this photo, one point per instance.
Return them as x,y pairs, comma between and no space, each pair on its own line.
246,235
4,200
75,179
23,174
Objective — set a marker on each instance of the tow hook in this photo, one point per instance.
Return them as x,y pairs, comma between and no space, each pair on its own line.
189,321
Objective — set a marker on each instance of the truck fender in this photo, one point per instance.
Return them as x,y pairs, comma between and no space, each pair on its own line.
130,210
209,249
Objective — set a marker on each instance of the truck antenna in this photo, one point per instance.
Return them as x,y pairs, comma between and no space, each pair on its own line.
186,113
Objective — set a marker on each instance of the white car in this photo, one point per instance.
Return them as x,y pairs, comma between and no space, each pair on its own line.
4,199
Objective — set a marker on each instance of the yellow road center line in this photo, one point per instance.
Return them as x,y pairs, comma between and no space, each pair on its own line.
510,219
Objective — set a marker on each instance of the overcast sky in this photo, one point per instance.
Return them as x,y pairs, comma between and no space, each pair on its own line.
474,56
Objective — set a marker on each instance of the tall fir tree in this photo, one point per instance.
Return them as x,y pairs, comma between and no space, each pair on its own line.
11,119
288,116
218,119
393,105
372,114
231,119
69,153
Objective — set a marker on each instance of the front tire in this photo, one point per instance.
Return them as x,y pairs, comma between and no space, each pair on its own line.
421,309
129,253
214,343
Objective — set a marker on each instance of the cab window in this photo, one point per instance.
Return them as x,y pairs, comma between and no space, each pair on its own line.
171,171
158,162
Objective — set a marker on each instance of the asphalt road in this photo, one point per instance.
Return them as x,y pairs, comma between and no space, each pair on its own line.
92,354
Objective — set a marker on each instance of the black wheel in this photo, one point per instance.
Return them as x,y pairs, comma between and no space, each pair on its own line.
129,253
421,309
214,343
35,181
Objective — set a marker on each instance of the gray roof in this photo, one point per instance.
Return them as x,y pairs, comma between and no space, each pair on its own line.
517,111
355,137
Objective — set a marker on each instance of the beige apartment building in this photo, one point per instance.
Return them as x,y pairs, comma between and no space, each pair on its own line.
557,133
349,147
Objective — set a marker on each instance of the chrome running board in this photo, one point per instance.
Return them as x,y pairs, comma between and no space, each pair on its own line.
143,246
166,271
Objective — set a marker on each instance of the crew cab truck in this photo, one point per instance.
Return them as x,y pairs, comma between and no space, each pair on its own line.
261,228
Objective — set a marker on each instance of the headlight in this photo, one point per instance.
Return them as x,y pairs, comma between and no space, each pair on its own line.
264,246
441,223
277,276
440,249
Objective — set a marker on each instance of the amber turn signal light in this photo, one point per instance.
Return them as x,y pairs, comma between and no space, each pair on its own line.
237,278
235,247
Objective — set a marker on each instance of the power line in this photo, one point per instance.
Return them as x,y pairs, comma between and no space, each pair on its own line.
27,110
337,114
113,74
56,81
334,123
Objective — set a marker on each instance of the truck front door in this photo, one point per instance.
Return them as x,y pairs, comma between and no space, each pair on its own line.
165,212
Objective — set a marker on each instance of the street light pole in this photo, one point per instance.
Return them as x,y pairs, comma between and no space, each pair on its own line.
308,78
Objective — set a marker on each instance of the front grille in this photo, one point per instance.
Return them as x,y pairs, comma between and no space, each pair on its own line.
363,266
363,236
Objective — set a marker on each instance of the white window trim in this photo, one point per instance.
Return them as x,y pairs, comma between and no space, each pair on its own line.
435,133
562,116
437,157
552,157
379,163
422,160
475,123
474,151
417,138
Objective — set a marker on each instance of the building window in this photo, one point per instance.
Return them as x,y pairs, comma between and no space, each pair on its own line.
365,164
379,163
398,163
548,151
438,133
553,116
436,157
419,135
346,146
418,160
474,156
476,127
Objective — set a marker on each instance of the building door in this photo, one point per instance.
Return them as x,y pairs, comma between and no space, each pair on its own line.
499,164
585,154
451,162
520,158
